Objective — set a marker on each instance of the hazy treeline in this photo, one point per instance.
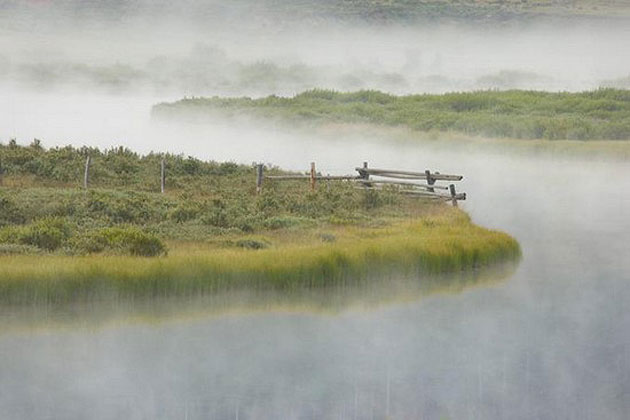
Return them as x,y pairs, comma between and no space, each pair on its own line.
600,114
209,69
342,10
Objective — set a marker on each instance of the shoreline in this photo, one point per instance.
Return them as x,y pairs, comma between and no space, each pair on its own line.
428,246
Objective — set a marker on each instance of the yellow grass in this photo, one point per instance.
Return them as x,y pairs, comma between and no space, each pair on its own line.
436,243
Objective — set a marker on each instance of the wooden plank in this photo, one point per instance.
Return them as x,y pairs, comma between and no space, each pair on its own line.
86,174
430,179
458,196
453,195
317,177
259,177
408,184
419,175
162,176
313,175
363,171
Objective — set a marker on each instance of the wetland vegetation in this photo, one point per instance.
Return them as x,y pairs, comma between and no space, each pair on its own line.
603,114
210,230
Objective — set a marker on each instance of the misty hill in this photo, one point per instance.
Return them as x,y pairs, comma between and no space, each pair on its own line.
315,10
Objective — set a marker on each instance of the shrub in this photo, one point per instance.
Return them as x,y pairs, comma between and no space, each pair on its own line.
15,249
130,240
49,233
184,212
9,212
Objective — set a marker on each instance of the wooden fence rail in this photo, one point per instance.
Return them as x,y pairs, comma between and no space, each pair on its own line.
367,179
371,178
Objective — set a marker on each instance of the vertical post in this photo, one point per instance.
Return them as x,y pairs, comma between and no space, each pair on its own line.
453,195
259,177
162,175
312,176
86,175
430,179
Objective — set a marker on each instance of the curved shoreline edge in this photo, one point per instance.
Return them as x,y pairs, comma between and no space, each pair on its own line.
446,243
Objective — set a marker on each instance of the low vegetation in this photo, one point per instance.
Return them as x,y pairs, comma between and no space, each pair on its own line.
209,231
602,114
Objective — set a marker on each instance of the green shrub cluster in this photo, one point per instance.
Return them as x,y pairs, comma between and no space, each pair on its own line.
599,114
49,234
214,199
126,240
55,233
115,167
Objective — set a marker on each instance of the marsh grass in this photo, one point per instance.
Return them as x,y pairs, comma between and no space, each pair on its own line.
214,235
442,243
602,114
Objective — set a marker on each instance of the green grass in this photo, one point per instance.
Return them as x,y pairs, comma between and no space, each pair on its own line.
210,232
602,114
442,243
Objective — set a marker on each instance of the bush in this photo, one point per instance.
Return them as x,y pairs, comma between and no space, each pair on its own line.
129,240
184,212
9,212
14,249
49,233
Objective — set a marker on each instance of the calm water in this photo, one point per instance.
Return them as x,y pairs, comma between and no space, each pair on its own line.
551,341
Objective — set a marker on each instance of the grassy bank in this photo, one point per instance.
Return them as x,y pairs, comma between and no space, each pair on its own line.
445,242
210,231
603,114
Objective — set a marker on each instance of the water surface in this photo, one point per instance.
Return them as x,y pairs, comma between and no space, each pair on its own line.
551,341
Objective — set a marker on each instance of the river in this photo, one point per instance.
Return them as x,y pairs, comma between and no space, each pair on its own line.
550,341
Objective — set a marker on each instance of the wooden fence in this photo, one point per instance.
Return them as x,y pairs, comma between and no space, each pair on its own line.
419,184
407,182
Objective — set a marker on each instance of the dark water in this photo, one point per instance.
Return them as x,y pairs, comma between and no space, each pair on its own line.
552,341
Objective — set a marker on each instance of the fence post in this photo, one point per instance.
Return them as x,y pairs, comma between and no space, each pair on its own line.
430,180
162,175
453,195
365,174
312,176
86,175
259,177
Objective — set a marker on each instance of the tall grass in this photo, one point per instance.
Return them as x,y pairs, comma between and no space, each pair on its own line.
594,115
442,243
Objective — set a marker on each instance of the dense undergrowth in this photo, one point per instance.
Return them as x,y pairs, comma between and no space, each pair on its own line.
602,114
61,243
43,208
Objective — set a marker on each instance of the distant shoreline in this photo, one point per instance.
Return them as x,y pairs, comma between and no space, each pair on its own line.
602,114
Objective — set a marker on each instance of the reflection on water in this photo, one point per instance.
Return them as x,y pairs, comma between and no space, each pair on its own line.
552,341
352,295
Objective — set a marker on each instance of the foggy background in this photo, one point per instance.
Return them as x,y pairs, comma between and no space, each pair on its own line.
550,342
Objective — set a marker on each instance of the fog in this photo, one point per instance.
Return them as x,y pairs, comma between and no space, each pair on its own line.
551,341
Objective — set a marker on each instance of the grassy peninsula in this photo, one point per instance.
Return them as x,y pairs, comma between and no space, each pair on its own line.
209,231
602,114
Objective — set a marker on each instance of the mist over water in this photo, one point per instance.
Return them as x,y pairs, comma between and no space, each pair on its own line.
552,341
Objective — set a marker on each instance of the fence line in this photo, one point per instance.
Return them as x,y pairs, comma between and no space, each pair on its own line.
366,180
